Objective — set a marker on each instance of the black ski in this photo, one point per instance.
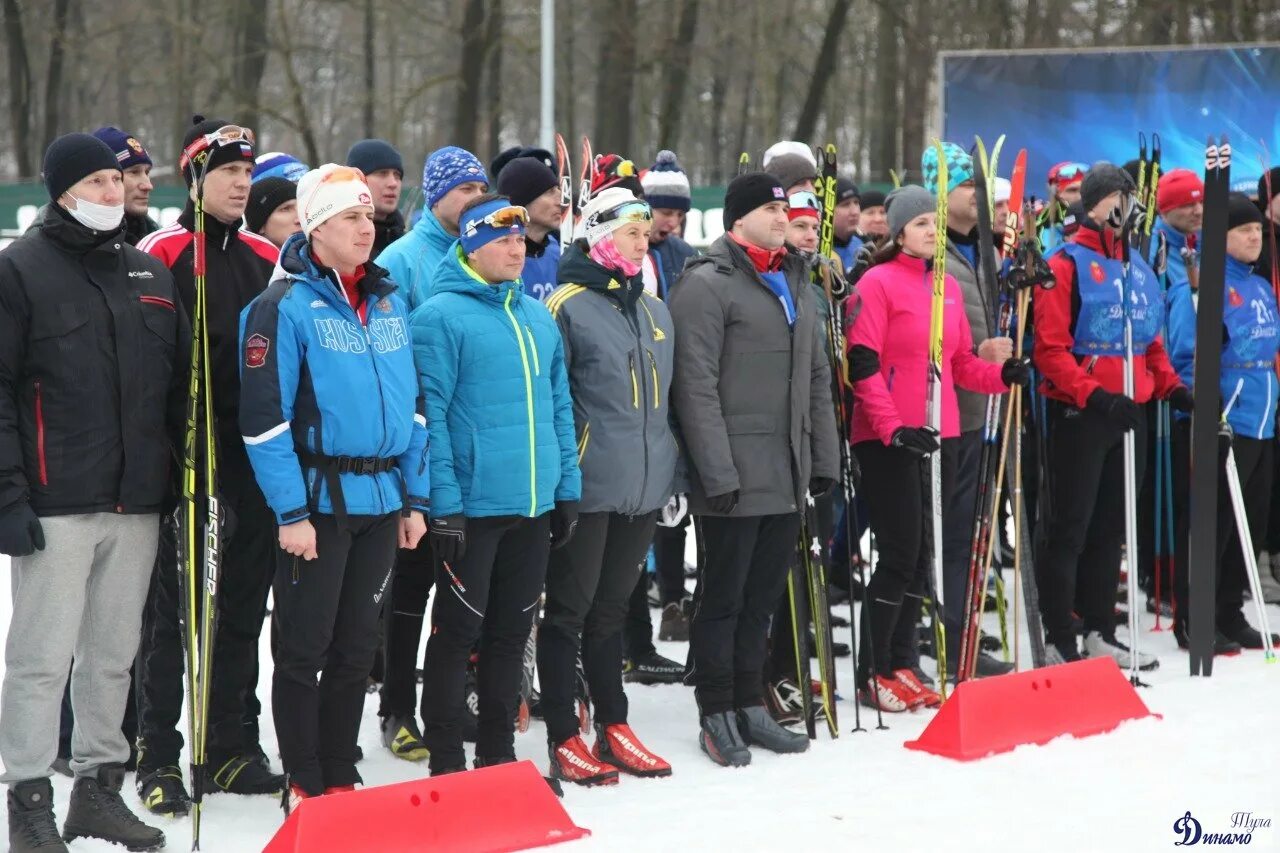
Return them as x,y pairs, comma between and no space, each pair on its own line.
1202,553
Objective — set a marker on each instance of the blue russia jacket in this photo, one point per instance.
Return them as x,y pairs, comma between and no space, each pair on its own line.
313,378
491,363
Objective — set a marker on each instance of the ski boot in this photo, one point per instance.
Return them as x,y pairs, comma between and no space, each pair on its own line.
162,791
616,745
759,729
241,774
571,761
652,668
402,736
722,742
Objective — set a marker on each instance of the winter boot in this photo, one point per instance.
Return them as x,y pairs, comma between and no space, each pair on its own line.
722,742
1269,578
1247,636
675,624
32,826
241,774
1096,646
291,796
571,761
760,729
652,668
1223,645
402,736
162,792
921,696
616,745
887,694
97,811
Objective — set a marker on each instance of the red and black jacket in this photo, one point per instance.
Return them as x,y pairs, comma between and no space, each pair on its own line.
1069,378
93,360
238,265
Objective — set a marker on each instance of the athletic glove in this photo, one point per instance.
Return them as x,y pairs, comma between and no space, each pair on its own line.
448,535
1182,399
564,520
1117,408
820,486
918,440
1016,371
20,532
674,512
723,504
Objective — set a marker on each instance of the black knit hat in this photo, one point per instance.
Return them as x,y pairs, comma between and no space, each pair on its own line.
1241,211
846,189
500,162
1264,198
524,179
749,191
218,156
872,198
373,155
265,196
1101,181
71,158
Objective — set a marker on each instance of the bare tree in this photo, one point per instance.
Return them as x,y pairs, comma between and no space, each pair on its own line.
675,76
823,69
19,87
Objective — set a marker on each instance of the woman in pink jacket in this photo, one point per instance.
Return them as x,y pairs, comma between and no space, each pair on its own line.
888,340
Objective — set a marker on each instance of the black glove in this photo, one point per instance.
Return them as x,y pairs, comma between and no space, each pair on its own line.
920,440
1016,371
448,535
1117,408
819,486
723,504
1182,399
20,532
564,520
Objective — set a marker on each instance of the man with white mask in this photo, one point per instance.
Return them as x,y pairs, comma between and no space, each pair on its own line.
93,348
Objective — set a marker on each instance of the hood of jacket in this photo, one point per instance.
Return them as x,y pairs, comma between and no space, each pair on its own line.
578,267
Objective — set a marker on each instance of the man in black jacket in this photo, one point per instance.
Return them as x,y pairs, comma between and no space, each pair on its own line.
239,265
92,360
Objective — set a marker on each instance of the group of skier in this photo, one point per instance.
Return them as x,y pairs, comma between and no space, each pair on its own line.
515,400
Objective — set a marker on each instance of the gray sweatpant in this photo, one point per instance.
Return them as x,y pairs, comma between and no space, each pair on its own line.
80,597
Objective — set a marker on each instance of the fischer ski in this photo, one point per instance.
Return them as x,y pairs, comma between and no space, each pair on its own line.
933,412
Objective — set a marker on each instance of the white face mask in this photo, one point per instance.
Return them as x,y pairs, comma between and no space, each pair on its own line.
99,217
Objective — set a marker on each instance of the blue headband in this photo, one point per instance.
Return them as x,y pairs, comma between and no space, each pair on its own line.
478,227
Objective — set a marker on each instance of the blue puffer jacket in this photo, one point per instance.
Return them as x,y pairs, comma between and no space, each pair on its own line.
411,261
491,363
1249,341
541,272
1175,241
313,378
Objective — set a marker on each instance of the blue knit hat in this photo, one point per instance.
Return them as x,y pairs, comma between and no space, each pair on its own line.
277,164
959,167
128,150
666,185
374,155
446,168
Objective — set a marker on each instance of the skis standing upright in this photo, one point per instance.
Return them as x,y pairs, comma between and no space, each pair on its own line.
933,408
566,192
1202,552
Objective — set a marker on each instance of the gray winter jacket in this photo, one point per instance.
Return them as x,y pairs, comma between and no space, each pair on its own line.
618,347
752,395
973,407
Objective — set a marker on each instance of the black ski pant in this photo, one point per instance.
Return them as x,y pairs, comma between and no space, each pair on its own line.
326,621
402,622
894,485
1255,465
637,633
589,584
742,574
1144,561
668,561
489,598
248,563
1078,566
782,634
1271,544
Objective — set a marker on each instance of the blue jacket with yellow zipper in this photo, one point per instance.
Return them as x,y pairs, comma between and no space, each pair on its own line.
491,365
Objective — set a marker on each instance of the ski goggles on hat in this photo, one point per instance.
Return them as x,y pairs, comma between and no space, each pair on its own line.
804,203
488,222
611,219
228,134
1065,174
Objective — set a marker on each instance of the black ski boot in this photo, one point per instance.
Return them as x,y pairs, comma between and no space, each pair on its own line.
241,774
401,735
97,811
32,827
760,729
721,741
162,792
652,668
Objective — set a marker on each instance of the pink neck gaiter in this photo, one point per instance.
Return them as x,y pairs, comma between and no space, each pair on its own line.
606,254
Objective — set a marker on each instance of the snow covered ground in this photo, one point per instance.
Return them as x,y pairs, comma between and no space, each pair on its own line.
1214,754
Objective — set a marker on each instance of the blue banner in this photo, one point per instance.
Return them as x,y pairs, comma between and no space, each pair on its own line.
1090,106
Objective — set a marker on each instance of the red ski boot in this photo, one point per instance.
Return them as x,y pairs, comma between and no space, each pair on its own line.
618,746
571,761
888,694
922,697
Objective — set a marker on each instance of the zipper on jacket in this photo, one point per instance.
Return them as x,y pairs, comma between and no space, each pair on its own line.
889,384
635,386
583,441
44,471
533,346
653,324
653,367
528,397
1266,409
1088,368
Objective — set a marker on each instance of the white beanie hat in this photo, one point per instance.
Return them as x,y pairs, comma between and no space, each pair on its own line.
325,192
1003,190
601,203
788,146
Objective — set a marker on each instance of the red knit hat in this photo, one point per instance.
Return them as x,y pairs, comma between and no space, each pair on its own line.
1177,188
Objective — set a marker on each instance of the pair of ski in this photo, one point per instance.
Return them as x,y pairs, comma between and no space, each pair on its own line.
1009,294
586,177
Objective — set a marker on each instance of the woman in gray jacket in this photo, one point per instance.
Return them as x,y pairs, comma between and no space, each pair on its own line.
618,345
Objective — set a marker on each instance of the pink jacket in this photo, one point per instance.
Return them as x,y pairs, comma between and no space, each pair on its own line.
890,315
